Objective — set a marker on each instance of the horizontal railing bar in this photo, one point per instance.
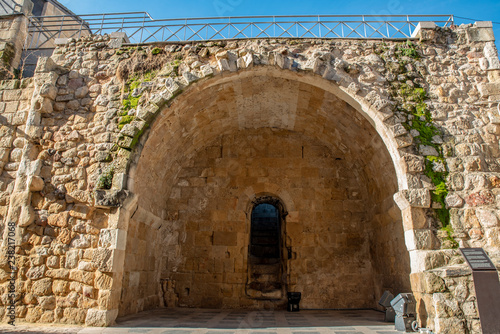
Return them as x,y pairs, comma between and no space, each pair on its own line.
141,27
70,23
242,22
254,16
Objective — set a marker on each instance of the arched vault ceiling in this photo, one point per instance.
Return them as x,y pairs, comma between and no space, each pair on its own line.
214,108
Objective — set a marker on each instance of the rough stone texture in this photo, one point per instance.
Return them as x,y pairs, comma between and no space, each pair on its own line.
311,122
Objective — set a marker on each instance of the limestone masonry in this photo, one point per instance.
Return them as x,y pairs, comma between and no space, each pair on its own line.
129,175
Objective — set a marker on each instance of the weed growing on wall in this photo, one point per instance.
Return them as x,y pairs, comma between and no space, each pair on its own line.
402,63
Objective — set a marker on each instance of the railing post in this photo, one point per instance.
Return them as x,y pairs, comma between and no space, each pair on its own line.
61,27
142,28
39,33
81,28
364,25
409,25
185,28
319,26
102,22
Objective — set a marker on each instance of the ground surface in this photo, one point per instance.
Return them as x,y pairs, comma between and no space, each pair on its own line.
198,321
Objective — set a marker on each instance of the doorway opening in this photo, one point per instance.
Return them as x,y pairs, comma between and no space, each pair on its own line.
266,259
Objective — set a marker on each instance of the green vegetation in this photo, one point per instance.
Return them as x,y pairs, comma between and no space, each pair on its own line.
105,181
126,119
131,102
411,97
156,50
408,49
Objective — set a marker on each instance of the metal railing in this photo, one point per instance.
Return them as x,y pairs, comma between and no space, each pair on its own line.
140,27
10,7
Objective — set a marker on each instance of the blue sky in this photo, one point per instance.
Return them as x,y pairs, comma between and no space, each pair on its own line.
483,10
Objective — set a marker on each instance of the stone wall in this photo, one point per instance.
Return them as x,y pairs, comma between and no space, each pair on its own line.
131,173
327,229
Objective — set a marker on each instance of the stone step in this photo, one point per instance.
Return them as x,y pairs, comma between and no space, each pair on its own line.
266,269
263,278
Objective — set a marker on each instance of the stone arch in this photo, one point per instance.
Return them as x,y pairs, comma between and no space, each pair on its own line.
196,123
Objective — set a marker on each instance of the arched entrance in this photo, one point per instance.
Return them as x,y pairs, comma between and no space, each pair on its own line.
267,253
222,145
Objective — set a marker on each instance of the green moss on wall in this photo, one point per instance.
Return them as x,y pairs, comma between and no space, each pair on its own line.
411,98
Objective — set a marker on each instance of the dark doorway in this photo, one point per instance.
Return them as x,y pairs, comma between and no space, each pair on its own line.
265,233
265,269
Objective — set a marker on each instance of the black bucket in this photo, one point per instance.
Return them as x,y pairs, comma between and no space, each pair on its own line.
293,301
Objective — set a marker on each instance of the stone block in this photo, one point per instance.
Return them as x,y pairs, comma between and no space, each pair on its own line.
61,41
58,273
223,65
413,163
120,35
480,34
81,276
103,259
125,142
48,90
417,198
147,113
35,273
113,239
225,238
427,283
189,77
59,220
103,281
36,184
487,218
420,240
421,260
42,287
172,86
45,64
453,200
206,70
450,326
489,88
81,211
100,318
119,181
109,198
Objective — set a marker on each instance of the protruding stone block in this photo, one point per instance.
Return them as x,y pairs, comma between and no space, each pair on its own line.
417,198
414,218
61,41
109,198
480,32
100,318
420,239
45,64
422,26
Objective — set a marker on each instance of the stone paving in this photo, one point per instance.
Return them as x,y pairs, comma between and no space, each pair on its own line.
201,321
